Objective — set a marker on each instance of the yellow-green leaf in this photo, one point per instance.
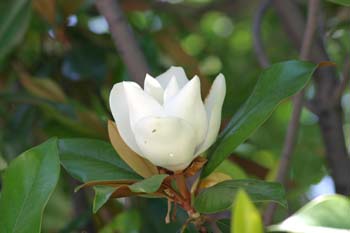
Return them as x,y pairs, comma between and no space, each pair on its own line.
245,217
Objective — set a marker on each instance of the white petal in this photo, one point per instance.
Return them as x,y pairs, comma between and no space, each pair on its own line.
166,141
188,105
176,71
153,88
140,104
171,90
213,106
120,112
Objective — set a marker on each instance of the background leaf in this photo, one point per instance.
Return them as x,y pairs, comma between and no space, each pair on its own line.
220,196
126,222
326,214
245,217
14,18
44,88
27,186
341,2
276,83
224,225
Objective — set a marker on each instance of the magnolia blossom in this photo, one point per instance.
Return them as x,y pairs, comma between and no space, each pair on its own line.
167,122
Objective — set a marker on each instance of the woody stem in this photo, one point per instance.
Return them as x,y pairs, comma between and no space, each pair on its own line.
185,193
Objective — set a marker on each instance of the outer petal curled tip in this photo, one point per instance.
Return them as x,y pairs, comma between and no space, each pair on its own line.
213,106
120,112
188,105
171,90
153,88
176,71
140,104
166,141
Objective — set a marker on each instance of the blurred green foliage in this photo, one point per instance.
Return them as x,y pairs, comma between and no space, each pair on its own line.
58,64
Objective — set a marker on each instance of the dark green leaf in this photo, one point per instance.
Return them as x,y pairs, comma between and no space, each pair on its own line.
102,194
326,214
220,196
224,225
28,184
149,185
150,209
14,18
341,2
189,229
275,84
93,160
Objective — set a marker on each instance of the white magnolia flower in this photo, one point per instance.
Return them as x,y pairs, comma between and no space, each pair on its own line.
167,122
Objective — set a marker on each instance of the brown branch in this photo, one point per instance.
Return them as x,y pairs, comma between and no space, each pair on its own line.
123,39
195,10
249,166
344,83
330,114
293,126
257,40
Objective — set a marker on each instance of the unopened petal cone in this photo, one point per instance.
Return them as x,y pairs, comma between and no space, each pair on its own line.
167,122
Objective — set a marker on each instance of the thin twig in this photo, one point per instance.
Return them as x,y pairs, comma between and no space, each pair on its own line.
293,127
344,83
311,26
123,39
257,40
330,116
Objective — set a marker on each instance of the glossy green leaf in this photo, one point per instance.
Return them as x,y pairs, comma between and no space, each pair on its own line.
245,217
27,186
326,214
93,160
102,194
149,185
275,84
63,114
260,191
14,18
341,2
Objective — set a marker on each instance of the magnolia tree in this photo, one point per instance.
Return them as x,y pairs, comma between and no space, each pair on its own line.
166,140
